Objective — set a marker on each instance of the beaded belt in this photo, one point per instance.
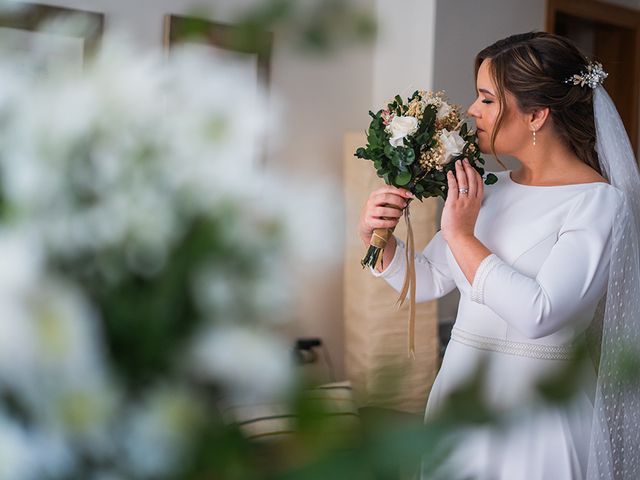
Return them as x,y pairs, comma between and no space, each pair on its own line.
534,350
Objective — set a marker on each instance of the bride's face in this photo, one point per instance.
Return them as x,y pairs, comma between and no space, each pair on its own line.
514,133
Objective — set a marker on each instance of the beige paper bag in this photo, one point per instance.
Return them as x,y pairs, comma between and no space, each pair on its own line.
376,355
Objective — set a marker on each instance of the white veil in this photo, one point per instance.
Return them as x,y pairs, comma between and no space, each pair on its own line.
614,451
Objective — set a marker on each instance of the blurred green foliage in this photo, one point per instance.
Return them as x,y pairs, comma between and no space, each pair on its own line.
321,27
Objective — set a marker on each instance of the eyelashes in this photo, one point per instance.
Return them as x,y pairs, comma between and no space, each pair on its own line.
487,101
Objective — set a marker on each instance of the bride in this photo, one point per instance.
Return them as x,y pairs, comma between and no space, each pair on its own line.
543,258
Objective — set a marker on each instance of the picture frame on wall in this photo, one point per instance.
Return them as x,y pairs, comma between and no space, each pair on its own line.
246,52
41,36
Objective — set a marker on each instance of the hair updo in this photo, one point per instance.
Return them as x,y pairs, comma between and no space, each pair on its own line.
533,66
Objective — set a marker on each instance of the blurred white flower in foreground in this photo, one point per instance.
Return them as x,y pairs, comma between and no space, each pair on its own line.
130,203
16,459
26,454
311,209
157,430
254,363
113,155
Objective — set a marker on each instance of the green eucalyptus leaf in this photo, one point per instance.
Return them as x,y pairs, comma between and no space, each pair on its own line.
491,179
403,178
388,150
410,156
422,138
429,115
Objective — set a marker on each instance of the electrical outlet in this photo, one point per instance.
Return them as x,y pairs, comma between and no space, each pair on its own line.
304,349
308,343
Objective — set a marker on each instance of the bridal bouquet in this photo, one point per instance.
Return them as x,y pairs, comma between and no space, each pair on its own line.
413,145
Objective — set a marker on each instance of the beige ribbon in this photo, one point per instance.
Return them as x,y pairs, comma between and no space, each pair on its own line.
379,239
409,284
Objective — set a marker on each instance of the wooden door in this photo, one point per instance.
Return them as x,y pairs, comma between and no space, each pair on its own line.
611,34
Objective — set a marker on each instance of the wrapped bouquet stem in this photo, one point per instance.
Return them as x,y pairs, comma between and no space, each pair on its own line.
413,145
379,239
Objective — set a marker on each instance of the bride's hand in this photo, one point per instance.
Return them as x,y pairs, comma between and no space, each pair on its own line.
383,209
461,209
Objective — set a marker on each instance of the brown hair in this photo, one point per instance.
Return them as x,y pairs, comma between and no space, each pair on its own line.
533,66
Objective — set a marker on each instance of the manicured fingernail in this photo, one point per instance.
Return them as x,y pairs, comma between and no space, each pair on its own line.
409,194
466,161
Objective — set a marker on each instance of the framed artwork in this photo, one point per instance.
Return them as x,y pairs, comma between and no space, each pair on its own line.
244,51
41,36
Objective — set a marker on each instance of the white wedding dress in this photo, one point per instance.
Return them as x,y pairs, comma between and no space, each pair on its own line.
534,295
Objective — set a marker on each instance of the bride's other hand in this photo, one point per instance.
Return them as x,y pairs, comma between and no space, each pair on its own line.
383,209
461,209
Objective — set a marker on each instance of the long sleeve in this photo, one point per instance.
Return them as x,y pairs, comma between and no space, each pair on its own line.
433,275
572,276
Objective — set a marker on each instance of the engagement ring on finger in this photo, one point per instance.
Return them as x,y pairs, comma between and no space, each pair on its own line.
463,190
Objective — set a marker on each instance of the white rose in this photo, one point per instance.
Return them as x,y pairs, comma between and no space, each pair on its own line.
400,128
444,110
452,143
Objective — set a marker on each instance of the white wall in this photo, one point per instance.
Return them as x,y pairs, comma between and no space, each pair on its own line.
463,28
404,50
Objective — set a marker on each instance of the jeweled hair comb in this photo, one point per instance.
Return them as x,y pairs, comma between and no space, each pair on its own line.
593,76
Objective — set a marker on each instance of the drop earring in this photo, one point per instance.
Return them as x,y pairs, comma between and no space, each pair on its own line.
534,138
